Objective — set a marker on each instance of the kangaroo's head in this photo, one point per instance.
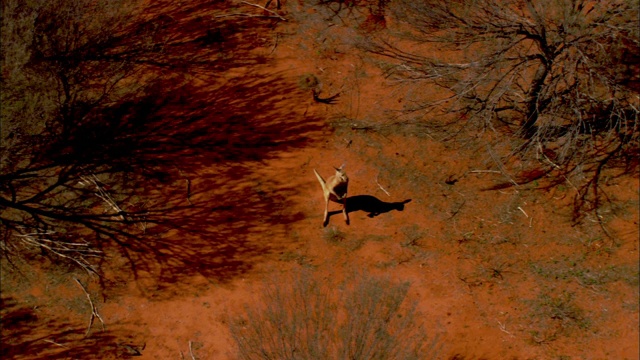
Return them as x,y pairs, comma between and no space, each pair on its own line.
400,205
341,174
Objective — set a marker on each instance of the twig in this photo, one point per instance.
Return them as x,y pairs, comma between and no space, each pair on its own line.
55,343
191,351
590,287
486,171
133,350
464,201
380,186
245,15
275,45
556,166
503,328
104,195
501,167
74,252
525,214
94,311
189,191
187,181
265,9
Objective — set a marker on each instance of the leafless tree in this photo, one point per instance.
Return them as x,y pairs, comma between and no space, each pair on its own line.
57,80
560,78
98,116
78,83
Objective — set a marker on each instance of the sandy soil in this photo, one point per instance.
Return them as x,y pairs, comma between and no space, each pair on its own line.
482,264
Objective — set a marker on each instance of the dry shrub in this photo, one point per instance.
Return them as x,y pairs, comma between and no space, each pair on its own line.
302,317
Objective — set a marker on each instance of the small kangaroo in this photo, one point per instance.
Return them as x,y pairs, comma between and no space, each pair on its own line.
335,189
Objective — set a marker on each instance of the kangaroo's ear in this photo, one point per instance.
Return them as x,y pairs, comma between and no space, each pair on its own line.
340,168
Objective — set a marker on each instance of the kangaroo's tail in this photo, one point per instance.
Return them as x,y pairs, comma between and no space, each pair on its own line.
320,179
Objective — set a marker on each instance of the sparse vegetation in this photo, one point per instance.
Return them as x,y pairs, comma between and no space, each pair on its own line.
172,146
304,318
333,235
556,316
570,270
308,82
413,234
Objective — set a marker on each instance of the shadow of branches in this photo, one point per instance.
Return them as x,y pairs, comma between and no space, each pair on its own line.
26,335
201,152
149,138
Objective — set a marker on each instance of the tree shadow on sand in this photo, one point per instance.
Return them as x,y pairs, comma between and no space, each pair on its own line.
178,147
25,334
207,205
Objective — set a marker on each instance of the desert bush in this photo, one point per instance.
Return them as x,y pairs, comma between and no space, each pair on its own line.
301,317
556,316
554,81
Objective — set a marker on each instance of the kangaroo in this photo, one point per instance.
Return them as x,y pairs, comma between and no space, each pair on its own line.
335,189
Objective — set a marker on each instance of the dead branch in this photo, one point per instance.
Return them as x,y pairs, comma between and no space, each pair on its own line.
94,311
72,251
503,328
503,170
244,15
55,343
103,194
265,9
485,171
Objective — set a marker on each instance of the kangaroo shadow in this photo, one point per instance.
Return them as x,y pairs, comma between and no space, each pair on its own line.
371,205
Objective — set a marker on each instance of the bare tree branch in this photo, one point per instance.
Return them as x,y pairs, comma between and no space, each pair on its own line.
562,76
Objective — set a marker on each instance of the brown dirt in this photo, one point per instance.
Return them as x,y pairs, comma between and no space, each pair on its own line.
480,262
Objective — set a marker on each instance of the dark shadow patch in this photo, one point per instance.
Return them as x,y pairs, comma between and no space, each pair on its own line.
179,147
371,205
24,333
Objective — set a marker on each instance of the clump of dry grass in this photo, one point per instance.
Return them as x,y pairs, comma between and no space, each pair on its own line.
302,317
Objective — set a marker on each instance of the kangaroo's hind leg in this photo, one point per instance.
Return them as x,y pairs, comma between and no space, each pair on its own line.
325,221
344,209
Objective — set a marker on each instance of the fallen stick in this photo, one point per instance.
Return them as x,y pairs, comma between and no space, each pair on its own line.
381,188
191,351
